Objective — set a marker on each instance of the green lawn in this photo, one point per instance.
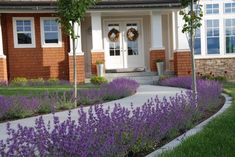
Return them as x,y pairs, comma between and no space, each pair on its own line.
216,140
11,90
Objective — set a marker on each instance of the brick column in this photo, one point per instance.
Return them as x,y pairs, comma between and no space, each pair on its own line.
80,59
80,68
155,55
182,63
3,62
95,56
97,52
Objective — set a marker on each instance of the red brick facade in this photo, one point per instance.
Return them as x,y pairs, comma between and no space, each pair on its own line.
3,69
182,63
80,69
34,62
155,55
96,56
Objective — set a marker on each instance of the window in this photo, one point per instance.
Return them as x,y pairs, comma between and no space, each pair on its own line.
197,45
23,32
114,39
230,35
132,44
50,33
213,44
212,8
229,8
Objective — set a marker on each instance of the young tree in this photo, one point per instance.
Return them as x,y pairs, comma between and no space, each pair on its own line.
69,13
192,17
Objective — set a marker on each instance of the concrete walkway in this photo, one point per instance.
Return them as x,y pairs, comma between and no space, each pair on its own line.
144,93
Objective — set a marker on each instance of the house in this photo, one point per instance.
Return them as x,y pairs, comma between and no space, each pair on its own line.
126,34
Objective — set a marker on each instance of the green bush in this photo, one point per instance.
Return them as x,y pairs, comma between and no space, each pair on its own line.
97,80
19,81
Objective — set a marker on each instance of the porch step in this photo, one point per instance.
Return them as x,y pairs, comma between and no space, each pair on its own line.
144,78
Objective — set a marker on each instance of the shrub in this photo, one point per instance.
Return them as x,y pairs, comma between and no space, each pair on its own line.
98,80
19,81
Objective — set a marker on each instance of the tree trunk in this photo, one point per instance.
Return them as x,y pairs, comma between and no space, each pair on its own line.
74,67
192,39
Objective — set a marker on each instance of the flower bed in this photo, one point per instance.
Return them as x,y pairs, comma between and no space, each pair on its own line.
14,107
103,132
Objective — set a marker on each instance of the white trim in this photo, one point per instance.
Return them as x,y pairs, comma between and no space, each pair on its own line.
98,51
157,48
76,54
16,45
182,50
43,44
1,42
214,56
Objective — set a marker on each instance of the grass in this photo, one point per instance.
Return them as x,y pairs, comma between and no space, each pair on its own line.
27,90
217,138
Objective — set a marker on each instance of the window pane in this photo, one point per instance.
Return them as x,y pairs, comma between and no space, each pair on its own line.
209,32
227,5
230,44
213,45
209,6
51,38
28,29
228,23
24,38
216,32
215,6
209,23
208,11
54,28
197,46
216,23
20,29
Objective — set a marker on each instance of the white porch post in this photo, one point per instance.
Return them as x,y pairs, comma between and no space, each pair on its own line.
181,38
78,41
156,28
1,43
97,44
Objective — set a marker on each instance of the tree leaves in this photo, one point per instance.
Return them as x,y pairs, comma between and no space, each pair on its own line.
71,11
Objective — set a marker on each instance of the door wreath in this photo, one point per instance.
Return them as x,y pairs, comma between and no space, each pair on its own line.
132,34
113,35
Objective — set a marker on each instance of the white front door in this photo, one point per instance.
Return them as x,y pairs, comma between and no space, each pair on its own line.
123,44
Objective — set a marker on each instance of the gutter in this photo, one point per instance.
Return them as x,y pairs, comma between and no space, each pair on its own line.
52,8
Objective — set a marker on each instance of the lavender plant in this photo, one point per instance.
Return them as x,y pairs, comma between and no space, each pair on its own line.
102,131
22,106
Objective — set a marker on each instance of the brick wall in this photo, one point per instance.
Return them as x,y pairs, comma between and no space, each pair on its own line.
154,55
80,69
182,63
94,57
35,62
217,66
3,69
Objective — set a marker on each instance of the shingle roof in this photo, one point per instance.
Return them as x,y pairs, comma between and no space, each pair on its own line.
104,4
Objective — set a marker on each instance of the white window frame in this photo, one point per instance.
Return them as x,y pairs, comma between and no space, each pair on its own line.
16,44
212,9
231,8
43,44
206,27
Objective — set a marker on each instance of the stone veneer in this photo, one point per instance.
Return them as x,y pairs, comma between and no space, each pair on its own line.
217,66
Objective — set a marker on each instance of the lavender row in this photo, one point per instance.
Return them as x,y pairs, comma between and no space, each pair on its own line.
118,132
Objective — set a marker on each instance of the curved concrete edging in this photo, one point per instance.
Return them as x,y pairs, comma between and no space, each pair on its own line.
177,141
